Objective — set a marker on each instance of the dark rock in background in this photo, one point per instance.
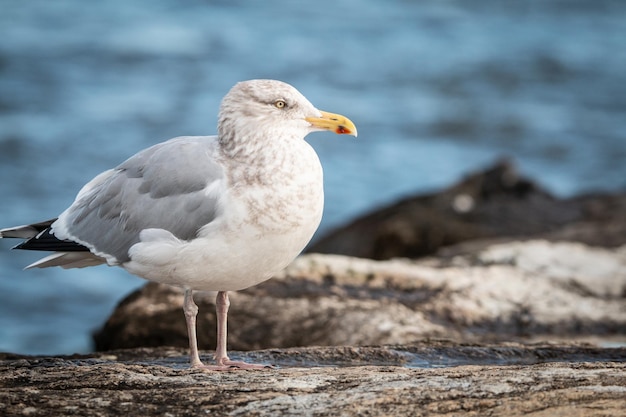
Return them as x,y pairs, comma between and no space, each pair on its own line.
495,203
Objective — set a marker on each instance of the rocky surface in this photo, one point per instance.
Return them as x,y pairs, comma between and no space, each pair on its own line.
494,203
504,291
155,382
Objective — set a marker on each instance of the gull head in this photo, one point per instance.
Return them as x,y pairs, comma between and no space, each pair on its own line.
271,108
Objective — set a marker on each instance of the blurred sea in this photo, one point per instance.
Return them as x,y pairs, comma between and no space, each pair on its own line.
437,88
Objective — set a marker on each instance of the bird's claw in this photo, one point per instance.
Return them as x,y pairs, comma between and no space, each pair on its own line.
229,365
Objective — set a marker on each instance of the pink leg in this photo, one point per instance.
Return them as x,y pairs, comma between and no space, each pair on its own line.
221,308
221,357
191,311
223,362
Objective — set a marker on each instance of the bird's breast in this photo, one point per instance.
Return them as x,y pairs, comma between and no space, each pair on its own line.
279,193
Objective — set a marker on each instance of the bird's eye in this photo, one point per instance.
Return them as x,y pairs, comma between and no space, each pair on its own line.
280,104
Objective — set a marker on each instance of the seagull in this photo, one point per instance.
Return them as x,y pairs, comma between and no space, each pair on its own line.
204,213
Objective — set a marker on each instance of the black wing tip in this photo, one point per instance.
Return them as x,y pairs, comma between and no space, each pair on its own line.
46,241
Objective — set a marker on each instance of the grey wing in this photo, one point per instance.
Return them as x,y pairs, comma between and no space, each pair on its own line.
164,187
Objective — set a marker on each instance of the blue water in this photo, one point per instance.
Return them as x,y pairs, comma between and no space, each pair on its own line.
437,89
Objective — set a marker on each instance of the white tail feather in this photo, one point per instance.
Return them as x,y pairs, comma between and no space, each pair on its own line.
22,232
68,260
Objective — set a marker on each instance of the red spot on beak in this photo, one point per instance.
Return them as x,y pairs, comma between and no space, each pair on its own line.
343,130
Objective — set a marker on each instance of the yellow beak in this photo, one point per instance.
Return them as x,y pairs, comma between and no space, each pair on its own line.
334,122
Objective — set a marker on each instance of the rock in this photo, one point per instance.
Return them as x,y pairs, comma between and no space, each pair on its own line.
495,203
374,383
514,290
